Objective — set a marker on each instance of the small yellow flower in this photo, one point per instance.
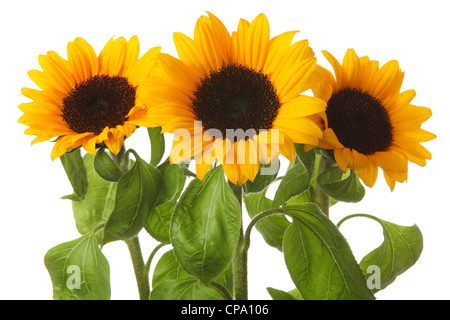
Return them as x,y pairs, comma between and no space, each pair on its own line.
88,100
245,81
369,123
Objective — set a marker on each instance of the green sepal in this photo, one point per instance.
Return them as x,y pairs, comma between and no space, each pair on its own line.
108,165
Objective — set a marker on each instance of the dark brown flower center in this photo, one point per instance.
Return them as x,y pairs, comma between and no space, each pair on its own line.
236,97
359,121
98,102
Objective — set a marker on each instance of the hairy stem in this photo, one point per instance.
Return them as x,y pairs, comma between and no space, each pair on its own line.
240,281
139,268
318,196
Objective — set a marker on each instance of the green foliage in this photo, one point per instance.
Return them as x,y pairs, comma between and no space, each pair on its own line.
115,198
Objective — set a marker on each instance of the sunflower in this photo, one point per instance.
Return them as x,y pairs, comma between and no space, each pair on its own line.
239,94
369,123
88,100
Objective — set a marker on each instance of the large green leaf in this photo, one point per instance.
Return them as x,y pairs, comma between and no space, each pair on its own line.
205,226
76,172
340,186
98,203
185,289
295,181
319,259
399,251
79,270
137,192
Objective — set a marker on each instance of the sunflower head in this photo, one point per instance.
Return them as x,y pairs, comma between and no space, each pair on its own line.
87,100
369,123
236,99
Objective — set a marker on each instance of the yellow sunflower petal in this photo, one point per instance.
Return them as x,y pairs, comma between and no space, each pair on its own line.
82,60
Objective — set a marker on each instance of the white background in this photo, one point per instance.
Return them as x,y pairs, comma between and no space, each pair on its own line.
33,218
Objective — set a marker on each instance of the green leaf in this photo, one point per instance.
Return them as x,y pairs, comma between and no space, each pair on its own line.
340,186
98,203
308,158
168,268
107,165
79,270
271,228
399,251
294,182
157,145
76,172
205,226
261,181
137,192
158,222
173,181
185,289
319,259
279,294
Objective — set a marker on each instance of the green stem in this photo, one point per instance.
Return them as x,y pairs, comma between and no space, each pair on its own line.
255,220
139,268
149,261
318,196
240,281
